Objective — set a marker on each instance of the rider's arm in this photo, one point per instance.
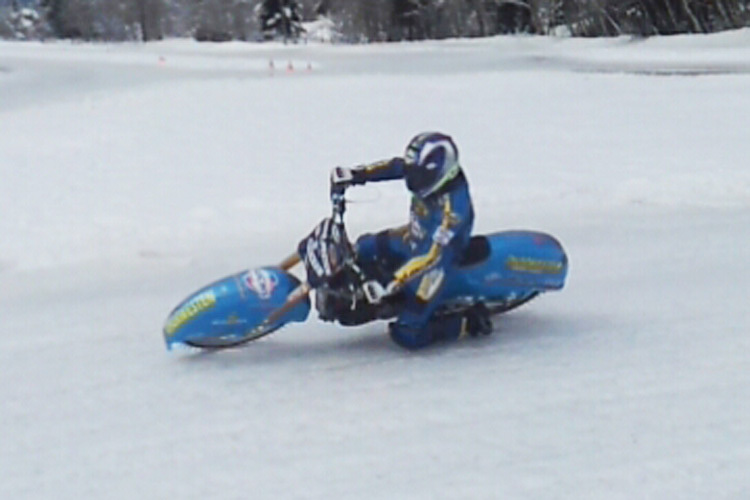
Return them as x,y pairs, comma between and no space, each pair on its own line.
448,241
385,170
441,248
342,177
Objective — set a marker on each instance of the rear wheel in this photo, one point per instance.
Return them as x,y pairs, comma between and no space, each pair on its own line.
512,304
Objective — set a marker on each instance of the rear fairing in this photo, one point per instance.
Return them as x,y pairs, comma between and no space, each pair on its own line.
519,263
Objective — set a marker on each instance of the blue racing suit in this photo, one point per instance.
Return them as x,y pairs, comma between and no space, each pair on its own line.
422,255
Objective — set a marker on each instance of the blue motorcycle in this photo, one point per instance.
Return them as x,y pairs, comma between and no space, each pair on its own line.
504,270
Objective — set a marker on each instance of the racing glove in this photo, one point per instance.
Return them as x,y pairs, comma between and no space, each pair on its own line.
375,292
343,177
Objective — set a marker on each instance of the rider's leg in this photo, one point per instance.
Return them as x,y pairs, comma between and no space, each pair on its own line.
417,327
381,252
411,333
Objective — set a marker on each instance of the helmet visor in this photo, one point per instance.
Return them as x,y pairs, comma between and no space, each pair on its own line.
424,172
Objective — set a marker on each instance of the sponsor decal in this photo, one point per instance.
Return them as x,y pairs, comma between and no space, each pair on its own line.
262,282
233,319
418,207
493,277
190,311
450,218
443,236
430,284
537,266
416,232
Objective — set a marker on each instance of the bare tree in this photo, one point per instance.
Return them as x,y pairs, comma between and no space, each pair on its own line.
150,14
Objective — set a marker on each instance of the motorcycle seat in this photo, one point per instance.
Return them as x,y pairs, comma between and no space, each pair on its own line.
476,252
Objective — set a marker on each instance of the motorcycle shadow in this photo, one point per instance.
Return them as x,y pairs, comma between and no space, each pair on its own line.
513,332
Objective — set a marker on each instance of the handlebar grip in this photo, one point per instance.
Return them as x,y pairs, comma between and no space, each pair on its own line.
338,203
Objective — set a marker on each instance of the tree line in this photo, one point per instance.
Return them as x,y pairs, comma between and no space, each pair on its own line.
362,20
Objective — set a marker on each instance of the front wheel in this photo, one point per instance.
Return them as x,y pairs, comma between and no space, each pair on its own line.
216,343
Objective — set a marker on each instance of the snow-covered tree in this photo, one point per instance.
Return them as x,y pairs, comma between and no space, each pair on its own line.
363,20
280,18
22,20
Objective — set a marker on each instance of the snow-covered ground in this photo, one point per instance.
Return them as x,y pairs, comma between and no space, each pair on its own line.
130,175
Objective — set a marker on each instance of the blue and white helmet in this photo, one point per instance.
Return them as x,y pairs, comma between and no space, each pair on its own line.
431,161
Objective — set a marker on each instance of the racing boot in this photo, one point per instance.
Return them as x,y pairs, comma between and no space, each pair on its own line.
477,320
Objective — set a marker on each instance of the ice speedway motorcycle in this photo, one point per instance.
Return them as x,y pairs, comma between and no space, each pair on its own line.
504,270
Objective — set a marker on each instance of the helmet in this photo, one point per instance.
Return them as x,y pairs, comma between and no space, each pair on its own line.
431,160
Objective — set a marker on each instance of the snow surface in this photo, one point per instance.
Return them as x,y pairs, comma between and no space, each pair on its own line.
130,175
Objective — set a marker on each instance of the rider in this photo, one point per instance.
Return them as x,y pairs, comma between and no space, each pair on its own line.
427,251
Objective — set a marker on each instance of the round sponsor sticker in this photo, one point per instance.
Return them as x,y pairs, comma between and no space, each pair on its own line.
262,282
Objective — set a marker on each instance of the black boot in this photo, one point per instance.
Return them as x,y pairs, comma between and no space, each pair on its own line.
478,320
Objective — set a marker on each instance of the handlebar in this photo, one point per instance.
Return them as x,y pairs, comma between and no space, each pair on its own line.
338,208
327,250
